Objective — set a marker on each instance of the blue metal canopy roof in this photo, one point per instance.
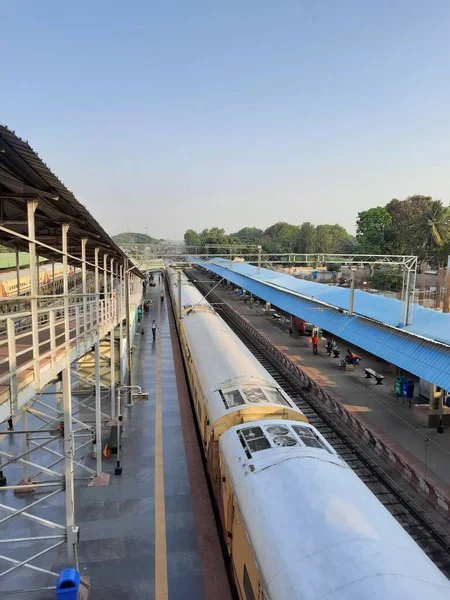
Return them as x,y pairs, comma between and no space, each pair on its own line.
421,348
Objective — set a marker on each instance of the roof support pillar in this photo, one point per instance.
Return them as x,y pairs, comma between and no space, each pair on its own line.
18,270
31,209
84,289
105,286
97,291
128,317
64,235
112,301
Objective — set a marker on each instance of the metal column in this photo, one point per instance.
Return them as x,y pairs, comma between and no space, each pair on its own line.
105,286
179,295
84,290
97,292
18,270
65,230
31,208
71,529
98,409
352,293
128,318
53,277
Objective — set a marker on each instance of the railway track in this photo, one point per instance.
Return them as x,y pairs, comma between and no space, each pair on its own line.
429,534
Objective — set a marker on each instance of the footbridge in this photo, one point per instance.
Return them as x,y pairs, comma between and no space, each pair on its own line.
64,352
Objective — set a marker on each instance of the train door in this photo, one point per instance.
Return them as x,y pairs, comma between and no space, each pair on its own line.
229,525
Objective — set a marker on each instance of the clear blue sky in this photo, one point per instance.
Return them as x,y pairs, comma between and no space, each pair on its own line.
171,115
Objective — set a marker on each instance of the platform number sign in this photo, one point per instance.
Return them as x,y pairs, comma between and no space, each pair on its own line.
140,397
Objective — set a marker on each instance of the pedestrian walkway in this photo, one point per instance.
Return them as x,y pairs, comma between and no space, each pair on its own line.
401,428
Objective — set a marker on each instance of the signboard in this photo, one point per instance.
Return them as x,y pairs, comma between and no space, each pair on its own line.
139,397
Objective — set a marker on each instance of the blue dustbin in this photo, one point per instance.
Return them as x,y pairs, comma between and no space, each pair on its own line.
408,389
68,585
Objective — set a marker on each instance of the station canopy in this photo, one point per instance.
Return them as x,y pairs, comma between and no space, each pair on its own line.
24,176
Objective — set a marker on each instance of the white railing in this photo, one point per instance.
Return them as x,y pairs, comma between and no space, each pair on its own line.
24,357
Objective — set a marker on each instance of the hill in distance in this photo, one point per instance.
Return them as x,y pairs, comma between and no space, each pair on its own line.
128,238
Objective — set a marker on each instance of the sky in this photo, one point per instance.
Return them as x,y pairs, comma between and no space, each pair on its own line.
163,116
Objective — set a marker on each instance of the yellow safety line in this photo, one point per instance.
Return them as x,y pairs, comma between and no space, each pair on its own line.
161,586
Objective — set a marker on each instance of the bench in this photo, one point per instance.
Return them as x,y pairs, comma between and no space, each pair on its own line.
371,373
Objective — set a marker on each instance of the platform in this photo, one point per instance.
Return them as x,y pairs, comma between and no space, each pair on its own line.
401,428
151,532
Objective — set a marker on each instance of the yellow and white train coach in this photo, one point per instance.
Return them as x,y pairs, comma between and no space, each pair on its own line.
300,524
228,384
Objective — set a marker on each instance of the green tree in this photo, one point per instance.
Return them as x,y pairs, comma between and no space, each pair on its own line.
372,227
324,239
280,237
306,241
249,235
192,238
404,235
387,278
434,229
341,241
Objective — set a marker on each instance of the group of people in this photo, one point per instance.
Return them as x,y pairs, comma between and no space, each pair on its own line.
332,348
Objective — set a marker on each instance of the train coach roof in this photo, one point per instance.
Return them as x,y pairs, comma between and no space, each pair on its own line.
24,176
317,531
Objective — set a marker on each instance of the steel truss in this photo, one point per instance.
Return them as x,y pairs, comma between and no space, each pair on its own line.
42,338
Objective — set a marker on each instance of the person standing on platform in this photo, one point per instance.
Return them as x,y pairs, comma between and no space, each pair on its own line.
315,343
154,328
162,295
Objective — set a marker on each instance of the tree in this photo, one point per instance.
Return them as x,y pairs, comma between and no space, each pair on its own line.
280,237
387,278
249,235
192,238
434,229
372,227
404,235
306,241
341,241
324,239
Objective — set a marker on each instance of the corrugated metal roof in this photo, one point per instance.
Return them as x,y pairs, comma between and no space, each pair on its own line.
423,357
24,175
431,324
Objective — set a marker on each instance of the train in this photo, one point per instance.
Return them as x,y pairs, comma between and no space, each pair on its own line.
298,523
8,286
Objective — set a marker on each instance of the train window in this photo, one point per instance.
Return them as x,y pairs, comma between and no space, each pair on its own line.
274,396
248,586
309,437
232,398
254,395
254,439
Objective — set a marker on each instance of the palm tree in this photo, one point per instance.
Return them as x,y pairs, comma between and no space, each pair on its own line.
434,228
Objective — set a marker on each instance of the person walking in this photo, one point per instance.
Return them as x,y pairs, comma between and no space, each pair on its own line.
154,328
315,343
162,295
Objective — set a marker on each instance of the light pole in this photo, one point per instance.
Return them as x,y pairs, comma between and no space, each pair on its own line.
352,291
